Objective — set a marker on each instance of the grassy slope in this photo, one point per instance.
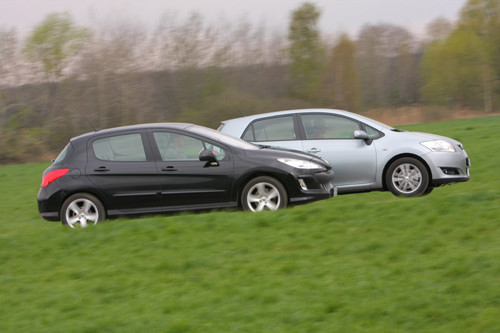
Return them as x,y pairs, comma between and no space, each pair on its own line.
356,263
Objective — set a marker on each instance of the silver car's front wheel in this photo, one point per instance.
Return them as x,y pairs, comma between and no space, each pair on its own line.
263,193
407,177
82,209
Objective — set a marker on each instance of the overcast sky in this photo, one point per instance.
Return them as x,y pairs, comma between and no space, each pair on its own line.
337,15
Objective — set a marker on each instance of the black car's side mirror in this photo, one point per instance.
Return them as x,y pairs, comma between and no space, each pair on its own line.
208,157
363,136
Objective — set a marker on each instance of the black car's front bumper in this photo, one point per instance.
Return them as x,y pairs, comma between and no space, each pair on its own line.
313,187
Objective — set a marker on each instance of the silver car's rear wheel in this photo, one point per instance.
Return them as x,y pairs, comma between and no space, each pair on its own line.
82,209
263,193
407,177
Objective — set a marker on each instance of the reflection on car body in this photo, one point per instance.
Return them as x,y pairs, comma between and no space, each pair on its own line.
366,154
156,168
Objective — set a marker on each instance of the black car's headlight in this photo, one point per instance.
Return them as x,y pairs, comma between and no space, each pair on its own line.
300,164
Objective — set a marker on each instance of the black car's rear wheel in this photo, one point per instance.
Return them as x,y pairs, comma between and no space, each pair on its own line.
407,177
82,209
263,193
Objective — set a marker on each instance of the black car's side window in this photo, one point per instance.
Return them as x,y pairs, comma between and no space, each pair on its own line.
178,147
126,148
271,129
322,126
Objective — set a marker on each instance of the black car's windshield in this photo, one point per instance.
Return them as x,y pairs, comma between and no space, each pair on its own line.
222,138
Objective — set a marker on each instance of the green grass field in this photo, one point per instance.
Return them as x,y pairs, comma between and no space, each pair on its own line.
356,263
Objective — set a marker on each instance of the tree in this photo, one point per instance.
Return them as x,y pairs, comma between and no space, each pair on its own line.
482,17
462,70
307,53
387,66
52,45
439,29
53,42
342,82
452,70
111,59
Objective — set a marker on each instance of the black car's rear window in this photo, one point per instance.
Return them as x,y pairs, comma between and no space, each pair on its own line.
125,148
63,154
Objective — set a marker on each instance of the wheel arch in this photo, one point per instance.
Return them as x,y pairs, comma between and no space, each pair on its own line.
246,178
85,191
394,158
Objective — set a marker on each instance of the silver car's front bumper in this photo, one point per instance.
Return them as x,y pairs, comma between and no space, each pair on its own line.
448,168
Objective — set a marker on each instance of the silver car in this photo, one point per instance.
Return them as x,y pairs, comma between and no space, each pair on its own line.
367,155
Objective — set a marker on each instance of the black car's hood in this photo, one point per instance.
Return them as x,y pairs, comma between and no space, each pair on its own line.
272,152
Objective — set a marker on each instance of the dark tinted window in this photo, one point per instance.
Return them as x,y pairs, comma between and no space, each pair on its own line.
126,148
271,129
62,155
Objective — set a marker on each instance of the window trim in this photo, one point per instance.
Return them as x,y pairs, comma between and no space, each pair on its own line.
156,150
362,126
296,128
145,143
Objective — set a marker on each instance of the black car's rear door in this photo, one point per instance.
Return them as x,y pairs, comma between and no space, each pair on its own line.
187,181
122,168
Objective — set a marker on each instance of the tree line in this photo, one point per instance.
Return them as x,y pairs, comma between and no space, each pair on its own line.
64,79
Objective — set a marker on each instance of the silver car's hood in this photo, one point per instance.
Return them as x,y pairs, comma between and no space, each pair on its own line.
428,136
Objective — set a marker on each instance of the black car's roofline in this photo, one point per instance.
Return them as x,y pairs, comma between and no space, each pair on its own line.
179,126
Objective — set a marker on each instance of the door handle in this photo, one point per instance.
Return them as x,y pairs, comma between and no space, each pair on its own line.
169,168
314,150
101,169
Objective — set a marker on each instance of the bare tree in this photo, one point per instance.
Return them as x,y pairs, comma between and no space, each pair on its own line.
110,63
387,66
439,29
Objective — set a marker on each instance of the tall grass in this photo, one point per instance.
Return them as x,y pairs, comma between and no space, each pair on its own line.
355,263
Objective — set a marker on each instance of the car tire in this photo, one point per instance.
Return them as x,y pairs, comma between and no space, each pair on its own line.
82,209
407,177
263,193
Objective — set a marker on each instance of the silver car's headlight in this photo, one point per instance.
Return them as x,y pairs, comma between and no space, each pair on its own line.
438,145
300,164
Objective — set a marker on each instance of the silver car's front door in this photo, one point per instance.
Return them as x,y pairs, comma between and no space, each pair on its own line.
353,161
332,137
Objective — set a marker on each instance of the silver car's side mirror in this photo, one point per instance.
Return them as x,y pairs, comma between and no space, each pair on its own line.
362,135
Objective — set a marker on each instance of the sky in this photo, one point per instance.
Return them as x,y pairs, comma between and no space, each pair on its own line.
336,15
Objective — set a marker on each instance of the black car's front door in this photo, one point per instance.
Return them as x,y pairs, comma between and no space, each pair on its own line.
187,181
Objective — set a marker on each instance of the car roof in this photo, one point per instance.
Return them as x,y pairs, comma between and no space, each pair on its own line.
133,127
237,125
248,119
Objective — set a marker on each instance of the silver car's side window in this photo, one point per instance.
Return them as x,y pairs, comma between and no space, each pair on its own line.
372,133
124,148
271,129
322,126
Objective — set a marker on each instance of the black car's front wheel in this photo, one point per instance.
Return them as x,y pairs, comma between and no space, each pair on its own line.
263,193
407,177
82,209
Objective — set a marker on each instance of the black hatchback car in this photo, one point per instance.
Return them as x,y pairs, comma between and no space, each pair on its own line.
155,168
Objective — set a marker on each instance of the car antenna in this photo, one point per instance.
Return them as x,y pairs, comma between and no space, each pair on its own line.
86,119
